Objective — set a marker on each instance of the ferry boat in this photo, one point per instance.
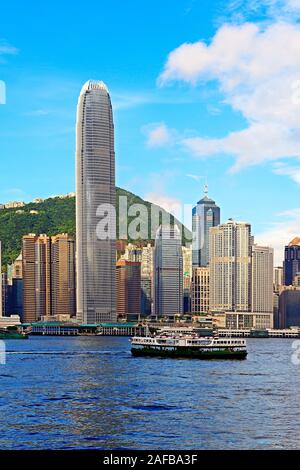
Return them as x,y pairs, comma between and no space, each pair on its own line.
12,333
189,346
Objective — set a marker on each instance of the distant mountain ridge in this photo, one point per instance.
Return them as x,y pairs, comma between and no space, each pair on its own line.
53,216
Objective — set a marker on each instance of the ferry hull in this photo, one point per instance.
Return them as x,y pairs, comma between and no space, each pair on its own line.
14,335
191,353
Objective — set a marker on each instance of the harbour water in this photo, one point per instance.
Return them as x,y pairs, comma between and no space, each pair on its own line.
88,392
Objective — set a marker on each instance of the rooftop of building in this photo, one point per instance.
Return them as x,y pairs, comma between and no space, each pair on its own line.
94,85
206,200
295,242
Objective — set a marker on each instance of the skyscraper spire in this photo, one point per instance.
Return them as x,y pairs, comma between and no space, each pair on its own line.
206,188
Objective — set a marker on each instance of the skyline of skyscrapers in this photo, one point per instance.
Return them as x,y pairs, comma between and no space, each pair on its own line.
96,196
224,271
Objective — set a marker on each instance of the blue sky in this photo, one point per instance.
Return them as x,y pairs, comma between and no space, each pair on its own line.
198,90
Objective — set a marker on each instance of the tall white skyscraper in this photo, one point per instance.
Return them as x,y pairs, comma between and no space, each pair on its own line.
262,279
200,290
96,192
230,267
168,276
277,278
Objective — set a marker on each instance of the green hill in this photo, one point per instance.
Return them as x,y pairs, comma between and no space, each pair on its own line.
55,215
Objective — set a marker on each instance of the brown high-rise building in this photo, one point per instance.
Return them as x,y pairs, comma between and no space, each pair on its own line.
48,276
63,275
29,273
128,287
43,276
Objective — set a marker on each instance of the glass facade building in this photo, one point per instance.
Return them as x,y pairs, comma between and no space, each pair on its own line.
95,202
168,271
291,265
206,214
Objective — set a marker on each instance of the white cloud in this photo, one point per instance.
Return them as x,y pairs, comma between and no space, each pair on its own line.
288,170
239,10
158,135
6,49
128,100
258,71
193,177
37,113
281,233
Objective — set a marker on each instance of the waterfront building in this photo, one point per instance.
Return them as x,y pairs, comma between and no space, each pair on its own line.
13,289
29,275
200,290
146,296
289,306
168,271
291,263
206,214
277,285
262,279
43,276
13,320
276,309
128,287
230,267
278,278
244,320
63,288
16,300
48,276
95,204
187,301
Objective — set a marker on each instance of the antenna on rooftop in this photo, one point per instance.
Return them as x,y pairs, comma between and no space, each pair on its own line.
206,187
